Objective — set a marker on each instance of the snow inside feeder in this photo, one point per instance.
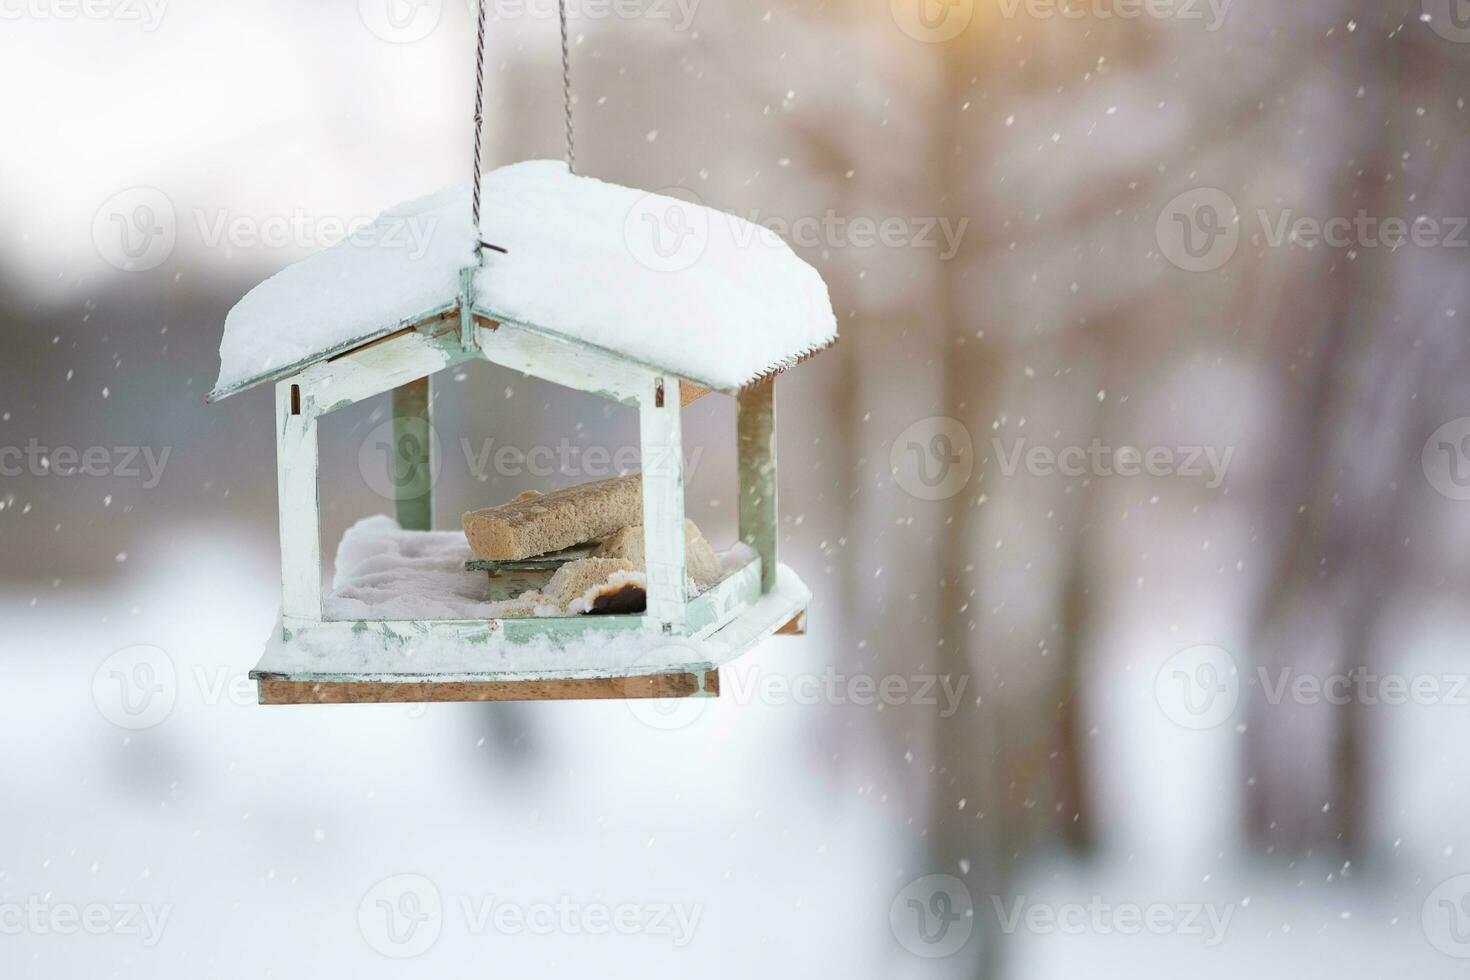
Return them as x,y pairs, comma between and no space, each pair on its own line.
586,284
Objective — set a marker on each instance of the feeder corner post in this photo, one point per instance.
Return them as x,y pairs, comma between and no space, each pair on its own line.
661,438
413,488
298,484
756,447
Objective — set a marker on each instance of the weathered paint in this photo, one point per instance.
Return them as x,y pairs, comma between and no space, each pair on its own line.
300,508
754,622
413,484
563,361
661,438
722,602
756,445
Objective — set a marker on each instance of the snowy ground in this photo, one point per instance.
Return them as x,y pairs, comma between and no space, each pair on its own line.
253,842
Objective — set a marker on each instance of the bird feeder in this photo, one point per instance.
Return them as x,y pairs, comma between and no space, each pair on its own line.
643,299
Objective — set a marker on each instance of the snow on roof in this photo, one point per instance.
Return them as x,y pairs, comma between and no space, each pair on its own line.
678,286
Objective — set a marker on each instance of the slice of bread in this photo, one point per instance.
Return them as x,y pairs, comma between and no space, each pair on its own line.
700,560
535,524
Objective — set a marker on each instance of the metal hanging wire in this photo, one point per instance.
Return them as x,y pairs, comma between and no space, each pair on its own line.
467,275
479,122
566,84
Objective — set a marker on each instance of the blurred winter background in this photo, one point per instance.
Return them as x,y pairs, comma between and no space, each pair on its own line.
1139,481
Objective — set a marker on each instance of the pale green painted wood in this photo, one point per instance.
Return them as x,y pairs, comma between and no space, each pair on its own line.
354,377
752,623
661,439
564,361
727,599
756,445
299,505
413,474
470,632
296,367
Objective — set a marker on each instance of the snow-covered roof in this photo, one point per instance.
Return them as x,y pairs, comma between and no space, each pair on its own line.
674,285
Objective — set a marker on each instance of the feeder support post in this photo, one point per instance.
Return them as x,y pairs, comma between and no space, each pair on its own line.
755,444
661,436
413,475
300,504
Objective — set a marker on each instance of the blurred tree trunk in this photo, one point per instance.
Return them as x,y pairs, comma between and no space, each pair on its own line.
974,839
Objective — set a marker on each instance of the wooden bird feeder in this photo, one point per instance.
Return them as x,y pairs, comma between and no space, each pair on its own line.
571,294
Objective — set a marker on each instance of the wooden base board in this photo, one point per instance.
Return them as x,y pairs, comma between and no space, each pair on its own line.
795,627
279,690
674,668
